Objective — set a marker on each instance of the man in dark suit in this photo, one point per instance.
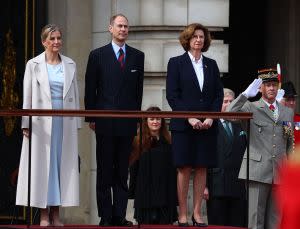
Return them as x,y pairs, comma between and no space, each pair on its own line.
225,193
114,81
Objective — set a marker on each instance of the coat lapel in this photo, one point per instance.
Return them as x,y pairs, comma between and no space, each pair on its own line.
262,105
69,73
41,73
280,112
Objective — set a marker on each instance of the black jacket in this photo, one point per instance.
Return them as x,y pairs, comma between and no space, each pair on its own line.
108,87
223,180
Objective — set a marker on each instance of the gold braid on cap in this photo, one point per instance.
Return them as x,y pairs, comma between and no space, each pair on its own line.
268,73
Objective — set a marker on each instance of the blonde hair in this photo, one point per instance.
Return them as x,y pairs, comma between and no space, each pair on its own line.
48,29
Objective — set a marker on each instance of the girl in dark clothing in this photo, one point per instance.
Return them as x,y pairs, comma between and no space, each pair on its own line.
152,174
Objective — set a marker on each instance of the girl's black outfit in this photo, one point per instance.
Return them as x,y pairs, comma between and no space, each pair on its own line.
153,185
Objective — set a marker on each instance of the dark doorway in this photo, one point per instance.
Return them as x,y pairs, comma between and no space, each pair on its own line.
245,36
19,30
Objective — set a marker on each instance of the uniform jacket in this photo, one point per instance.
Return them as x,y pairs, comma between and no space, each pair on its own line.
268,144
223,181
183,90
37,95
108,87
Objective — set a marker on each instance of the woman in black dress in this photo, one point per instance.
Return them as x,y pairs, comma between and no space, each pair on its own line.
152,175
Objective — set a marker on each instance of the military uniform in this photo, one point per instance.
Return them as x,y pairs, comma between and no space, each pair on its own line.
269,146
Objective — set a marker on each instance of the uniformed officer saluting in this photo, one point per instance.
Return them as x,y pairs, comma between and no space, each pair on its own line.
270,142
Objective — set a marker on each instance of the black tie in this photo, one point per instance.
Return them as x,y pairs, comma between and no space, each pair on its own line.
121,58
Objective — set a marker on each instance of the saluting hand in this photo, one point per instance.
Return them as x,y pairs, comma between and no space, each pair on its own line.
280,94
253,88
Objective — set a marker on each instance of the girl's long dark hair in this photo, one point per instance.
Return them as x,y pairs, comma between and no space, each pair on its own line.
147,138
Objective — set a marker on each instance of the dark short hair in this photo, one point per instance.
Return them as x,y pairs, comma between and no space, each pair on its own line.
47,29
113,18
188,32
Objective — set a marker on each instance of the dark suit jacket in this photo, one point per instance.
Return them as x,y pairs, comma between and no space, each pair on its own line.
108,87
183,91
223,181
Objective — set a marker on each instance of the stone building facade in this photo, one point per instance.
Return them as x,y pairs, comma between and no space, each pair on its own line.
154,28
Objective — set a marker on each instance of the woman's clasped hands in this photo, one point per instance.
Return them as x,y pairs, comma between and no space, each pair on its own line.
199,125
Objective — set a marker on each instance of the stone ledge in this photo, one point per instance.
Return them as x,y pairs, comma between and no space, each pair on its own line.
153,28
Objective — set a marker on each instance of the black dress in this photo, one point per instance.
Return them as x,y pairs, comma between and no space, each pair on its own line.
153,185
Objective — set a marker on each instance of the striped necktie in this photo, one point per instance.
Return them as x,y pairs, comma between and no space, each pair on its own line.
121,58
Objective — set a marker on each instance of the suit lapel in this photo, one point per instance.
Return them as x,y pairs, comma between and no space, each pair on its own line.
124,73
117,74
128,56
205,72
227,141
41,73
191,71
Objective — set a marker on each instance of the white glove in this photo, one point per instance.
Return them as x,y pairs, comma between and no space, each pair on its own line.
280,94
253,88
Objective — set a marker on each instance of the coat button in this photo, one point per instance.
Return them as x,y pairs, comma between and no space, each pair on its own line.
273,156
274,146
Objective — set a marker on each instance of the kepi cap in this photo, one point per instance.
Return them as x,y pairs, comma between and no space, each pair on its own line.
268,74
289,89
